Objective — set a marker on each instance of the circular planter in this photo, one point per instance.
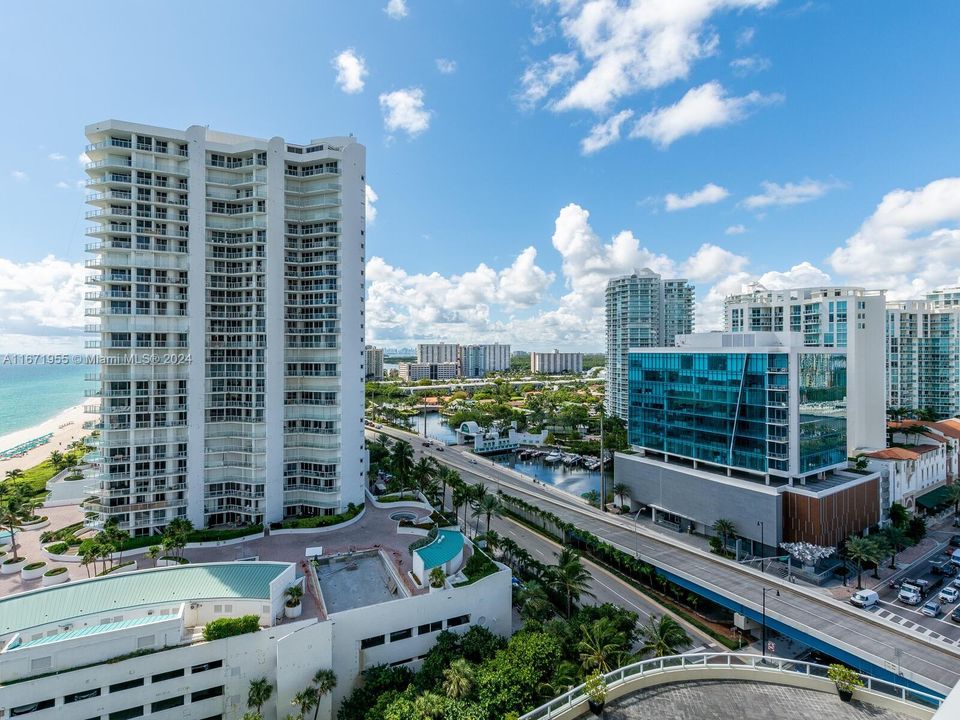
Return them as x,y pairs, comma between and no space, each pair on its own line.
33,570
60,577
37,525
9,568
293,612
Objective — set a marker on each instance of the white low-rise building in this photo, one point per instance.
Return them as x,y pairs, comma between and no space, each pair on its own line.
131,645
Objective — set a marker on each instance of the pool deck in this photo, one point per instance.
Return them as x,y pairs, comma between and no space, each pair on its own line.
374,531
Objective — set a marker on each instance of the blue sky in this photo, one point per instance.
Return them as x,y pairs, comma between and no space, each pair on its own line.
523,151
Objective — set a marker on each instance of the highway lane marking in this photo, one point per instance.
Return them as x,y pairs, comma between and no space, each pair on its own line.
640,610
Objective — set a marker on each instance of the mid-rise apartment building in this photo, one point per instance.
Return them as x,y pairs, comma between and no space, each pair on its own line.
923,355
478,360
556,362
230,290
751,427
847,318
437,352
642,310
411,372
374,362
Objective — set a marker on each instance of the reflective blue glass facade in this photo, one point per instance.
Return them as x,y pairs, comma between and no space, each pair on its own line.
822,385
707,406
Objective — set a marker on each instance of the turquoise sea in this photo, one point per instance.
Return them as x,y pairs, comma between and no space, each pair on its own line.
30,394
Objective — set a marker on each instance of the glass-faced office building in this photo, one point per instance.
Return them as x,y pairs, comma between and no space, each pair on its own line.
756,402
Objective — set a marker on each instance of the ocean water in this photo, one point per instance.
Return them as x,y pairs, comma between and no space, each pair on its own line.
30,394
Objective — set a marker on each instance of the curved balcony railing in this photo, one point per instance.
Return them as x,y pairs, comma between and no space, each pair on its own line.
742,666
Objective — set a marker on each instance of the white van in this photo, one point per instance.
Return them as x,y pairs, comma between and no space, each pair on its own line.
864,598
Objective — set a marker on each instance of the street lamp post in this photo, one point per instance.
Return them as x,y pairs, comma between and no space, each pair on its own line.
760,525
763,635
636,537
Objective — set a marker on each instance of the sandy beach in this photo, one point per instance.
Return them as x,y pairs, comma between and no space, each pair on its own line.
66,427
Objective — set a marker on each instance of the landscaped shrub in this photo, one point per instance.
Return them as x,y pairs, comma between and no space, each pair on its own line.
316,521
64,534
58,548
179,560
228,627
478,567
13,560
116,567
34,565
55,571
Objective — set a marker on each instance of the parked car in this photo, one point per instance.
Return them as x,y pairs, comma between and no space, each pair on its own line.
864,599
931,609
955,615
955,541
909,595
955,557
949,595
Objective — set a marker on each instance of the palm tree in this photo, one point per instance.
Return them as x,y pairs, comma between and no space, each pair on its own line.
592,497
724,528
662,636
859,550
620,490
602,646
570,578
258,694
401,462
489,506
428,706
154,553
88,556
251,716
323,683
56,459
953,496
878,551
14,474
423,472
534,602
458,679
12,512
294,593
461,496
478,495
305,699
896,540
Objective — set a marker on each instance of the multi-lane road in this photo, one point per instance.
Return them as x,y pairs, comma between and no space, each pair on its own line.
889,647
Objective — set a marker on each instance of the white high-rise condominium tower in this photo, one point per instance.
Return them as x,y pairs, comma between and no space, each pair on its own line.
437,352
230,290
828,317
642,310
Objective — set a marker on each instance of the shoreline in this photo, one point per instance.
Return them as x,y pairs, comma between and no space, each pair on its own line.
66,426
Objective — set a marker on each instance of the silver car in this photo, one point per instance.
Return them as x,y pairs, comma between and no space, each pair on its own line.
931,609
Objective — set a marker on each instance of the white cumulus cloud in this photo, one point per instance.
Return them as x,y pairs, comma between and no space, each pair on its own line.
369,198
541,77
707,195
788,194
744,66
351,69
703,107
396,9
710,262
55,156
628,46
604,133
910,244
41,299
735,230
404,110
446,66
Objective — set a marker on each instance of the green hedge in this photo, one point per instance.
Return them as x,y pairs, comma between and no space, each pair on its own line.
178,560
34,565
58,548
195,536
477,568
316,521
228,627
55,571
64,534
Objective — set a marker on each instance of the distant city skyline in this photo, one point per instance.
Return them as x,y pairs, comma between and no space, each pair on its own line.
521,154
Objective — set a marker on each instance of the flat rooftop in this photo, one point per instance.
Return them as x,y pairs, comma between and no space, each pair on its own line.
356,580
724,699
180,583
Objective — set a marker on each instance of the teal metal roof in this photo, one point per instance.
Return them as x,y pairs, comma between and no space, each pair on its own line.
441,550
180,583
95,630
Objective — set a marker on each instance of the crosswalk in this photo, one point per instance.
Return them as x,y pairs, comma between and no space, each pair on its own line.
891,616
